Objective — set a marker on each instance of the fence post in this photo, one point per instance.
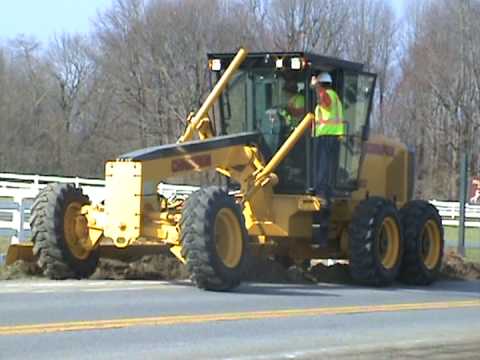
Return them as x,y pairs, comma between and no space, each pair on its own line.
17,220
21,229
463,198
36,182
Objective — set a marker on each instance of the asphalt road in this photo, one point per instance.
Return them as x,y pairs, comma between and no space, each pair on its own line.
158,320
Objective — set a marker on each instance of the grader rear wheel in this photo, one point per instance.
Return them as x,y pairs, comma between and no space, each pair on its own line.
376,243
424,243
60,233
214,239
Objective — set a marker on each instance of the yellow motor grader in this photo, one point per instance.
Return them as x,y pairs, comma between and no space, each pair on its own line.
266,207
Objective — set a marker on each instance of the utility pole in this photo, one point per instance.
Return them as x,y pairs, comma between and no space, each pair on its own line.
463,200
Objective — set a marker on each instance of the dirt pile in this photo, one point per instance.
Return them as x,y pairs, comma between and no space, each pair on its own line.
455,267
167,267
270,271
150,267
266,270
20,270
338,273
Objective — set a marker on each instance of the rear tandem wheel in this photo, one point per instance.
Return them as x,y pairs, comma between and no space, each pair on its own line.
376,242
424,243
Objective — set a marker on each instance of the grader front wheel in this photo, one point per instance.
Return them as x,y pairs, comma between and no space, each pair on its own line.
60,233
214,239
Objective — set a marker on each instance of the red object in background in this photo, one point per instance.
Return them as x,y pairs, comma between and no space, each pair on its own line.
474,197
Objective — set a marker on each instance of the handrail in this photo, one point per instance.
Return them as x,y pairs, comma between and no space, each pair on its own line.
286,147
213,96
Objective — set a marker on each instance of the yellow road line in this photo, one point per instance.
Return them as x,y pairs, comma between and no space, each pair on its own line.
204,318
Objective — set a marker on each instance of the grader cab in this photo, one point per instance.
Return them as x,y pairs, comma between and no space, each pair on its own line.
266,207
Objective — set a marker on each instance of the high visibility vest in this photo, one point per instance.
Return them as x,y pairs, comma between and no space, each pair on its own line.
296,102
329,119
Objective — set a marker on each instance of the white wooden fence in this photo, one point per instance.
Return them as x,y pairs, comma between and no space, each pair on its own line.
450,213
17,193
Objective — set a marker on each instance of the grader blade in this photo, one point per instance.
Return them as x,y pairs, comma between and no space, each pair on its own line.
17,252
24,252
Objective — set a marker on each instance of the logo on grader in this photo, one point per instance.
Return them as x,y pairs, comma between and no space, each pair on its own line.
191,163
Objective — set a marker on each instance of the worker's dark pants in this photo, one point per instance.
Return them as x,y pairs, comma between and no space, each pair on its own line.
327,149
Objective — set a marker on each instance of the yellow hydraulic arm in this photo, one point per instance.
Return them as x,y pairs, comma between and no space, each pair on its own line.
200,122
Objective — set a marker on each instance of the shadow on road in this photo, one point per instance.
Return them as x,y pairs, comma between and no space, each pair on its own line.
288,289
324,289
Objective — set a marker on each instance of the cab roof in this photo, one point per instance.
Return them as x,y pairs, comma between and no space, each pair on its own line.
267,59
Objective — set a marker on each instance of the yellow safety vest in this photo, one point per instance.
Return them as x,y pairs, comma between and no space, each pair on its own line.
297,102
329,121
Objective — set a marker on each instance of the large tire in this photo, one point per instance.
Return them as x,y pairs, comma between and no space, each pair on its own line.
376,243
214,239
423,232
56,223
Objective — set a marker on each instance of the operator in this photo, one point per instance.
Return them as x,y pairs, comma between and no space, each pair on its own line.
295,110
328,128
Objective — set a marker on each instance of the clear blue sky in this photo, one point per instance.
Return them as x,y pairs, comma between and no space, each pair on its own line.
398,6
43,18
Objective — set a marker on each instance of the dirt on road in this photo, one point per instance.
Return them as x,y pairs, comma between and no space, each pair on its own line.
166,267
150,267
455,267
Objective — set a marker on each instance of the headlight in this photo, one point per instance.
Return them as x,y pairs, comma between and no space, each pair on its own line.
296,63
279,63
215,64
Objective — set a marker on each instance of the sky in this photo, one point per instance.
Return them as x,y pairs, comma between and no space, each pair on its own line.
399,7
43,18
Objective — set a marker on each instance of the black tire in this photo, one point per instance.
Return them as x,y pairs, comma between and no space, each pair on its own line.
424,242
55,257
207,268
376,243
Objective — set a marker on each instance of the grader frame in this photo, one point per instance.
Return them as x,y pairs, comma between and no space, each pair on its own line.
256,217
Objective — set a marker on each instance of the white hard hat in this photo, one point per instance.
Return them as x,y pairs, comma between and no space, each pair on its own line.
324,77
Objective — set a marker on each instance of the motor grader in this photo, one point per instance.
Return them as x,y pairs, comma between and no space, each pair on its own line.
265,206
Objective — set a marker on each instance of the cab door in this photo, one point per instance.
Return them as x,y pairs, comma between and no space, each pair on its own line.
357,96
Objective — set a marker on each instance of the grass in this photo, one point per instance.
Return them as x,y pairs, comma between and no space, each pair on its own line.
473,255
4,242
471,234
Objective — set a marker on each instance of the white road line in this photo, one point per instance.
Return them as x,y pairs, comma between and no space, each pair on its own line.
83,286
118,289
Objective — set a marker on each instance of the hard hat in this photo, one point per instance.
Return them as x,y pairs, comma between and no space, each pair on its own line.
324,77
